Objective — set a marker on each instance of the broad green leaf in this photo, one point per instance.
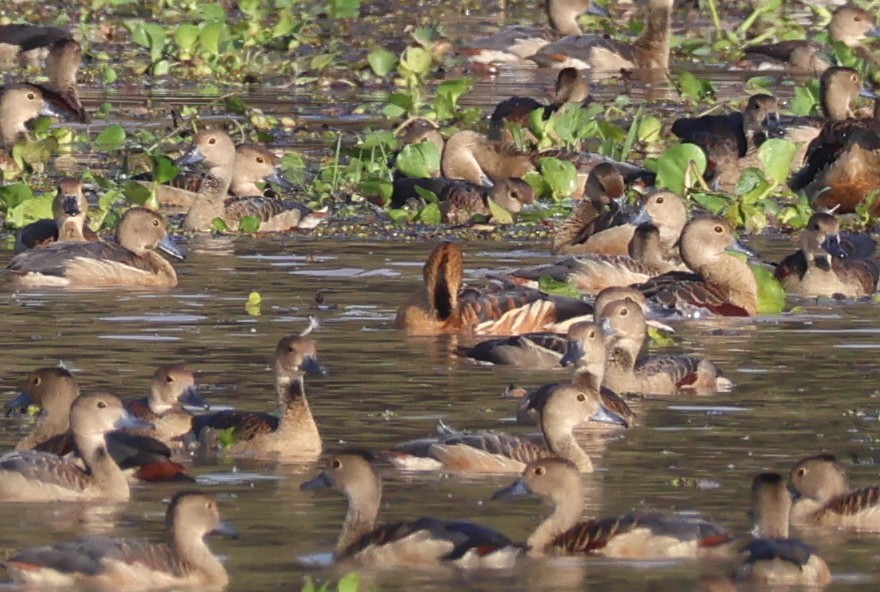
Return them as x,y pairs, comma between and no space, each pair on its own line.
649,129
219,225
164,169
660,337
30,210
249,224
560,175
448,93
419,160
499,214
771,296
111,137
210,11
186,37
349,583
776,155
428,196
550,286
34,151
344,9
381,61
673,164
378,139
416,61
136,194
321,61
711,201
227,437
430,214
15,194
805,100
694,88
382,188
212,37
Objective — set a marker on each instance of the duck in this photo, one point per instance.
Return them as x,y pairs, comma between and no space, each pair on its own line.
571,87
131,262
138,453
33,476
644,536
426,542
471,156
823,496
70,209
774,557
442,306
730,141
103,563
517,43
27,44
628,371
461,200
720,284
850,25
218,150
584,162
417,130
565,407
21,103
292,434
594,52
824,268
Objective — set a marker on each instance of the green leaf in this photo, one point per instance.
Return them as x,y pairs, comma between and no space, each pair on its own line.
209,11
164,169
249,224
30,210
499,214
660,337
416,60
349,583
691,87
560,175
448,93
381,61
227,437
321,61
776,155
713,202
428,196
550,286
252,306
805,101
136,194
343,9
430,214
15,194
111,137
383,188
419,160
186,37
649,129
771,296
211,38
34,151
219,225
378,139
673,164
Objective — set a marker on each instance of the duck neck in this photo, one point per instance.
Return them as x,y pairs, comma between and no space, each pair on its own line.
245,189
106,474
589,375
623,353
834,107
655,38
209,203
562,18
197,556
71,230
12,126
49,426
563,444
567,506
363,507
293,407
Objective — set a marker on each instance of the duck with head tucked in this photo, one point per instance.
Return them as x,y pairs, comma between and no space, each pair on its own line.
131,262
292,434
70,209
41,477
595,52
426,542
643,536
461,200
443,306
184,561
28,44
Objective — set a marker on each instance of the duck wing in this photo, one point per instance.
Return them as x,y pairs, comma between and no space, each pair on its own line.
261,207
45,468
244,425
53,259
512,350
791,550
89,556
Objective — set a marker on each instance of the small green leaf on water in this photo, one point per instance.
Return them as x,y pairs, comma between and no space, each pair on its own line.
344,9
776,155
649,129
416,60
499,214
219,225
136,194
235,105
419,160
673,164
33,410
430,214
550,286
227,437
34,151
252,306
381,61
249,224
111,137
428,196
560,175
771,296
164,169
447,95
349,583
659,337
694,88
799,309
30,210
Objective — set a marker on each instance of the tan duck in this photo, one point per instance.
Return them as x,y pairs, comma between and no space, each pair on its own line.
517,43
471,156
426,542
443,306
461,200
171,387
634,536
595,52
628,371
217,149
822,268
824,498
52,389
20,103
40,477
131,262
565,407
721,284
292,434
27,44
774,558
70,209
104,563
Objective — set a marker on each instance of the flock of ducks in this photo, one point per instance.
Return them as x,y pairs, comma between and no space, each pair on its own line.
632,269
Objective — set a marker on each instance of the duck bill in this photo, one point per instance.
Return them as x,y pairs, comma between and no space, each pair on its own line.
322,481
867,93
605,415
833,247
22,401
607,328
773,125
127,421
311,366
598,10
192,398
192,156
573,353
167,246
276,177
738,247
516,489
641,217
873,32
70,205
225,529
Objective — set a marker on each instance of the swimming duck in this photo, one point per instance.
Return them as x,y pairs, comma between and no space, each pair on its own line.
460,200
822,267
20,103
104,563
212,201
39,476
292,434
849,25
69,210
571,87
517,43
730,141
565,407
633,536
53,389
442,306
823,496
774,557
171,387
721,283
131,262
628,371
425,542
594,52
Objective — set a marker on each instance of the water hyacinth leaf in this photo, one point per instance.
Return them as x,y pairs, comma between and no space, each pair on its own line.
673,165
771,296
381,188
34,151
416,60
30,210
805,101
136,194
15,193
777,155
344,9
185,38
649,129
660,337
499,214
759,84
691,87
430,214
111,137
399,104
249,224
350,582
711,201
381,61
210,11
537,183
419,160
219,225
448,93
560,175
752,186
252,306
227,437
321,61
212,37
164,169
399,216
378,139
552,287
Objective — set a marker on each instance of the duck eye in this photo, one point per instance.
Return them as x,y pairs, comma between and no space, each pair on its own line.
31,96
336,464
719,229
581,398
624,312
659,200
591,334
261,160
514,195
169,378
858,19
801,472
212,141
539,471
155,223
101,404
37,380
854,78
